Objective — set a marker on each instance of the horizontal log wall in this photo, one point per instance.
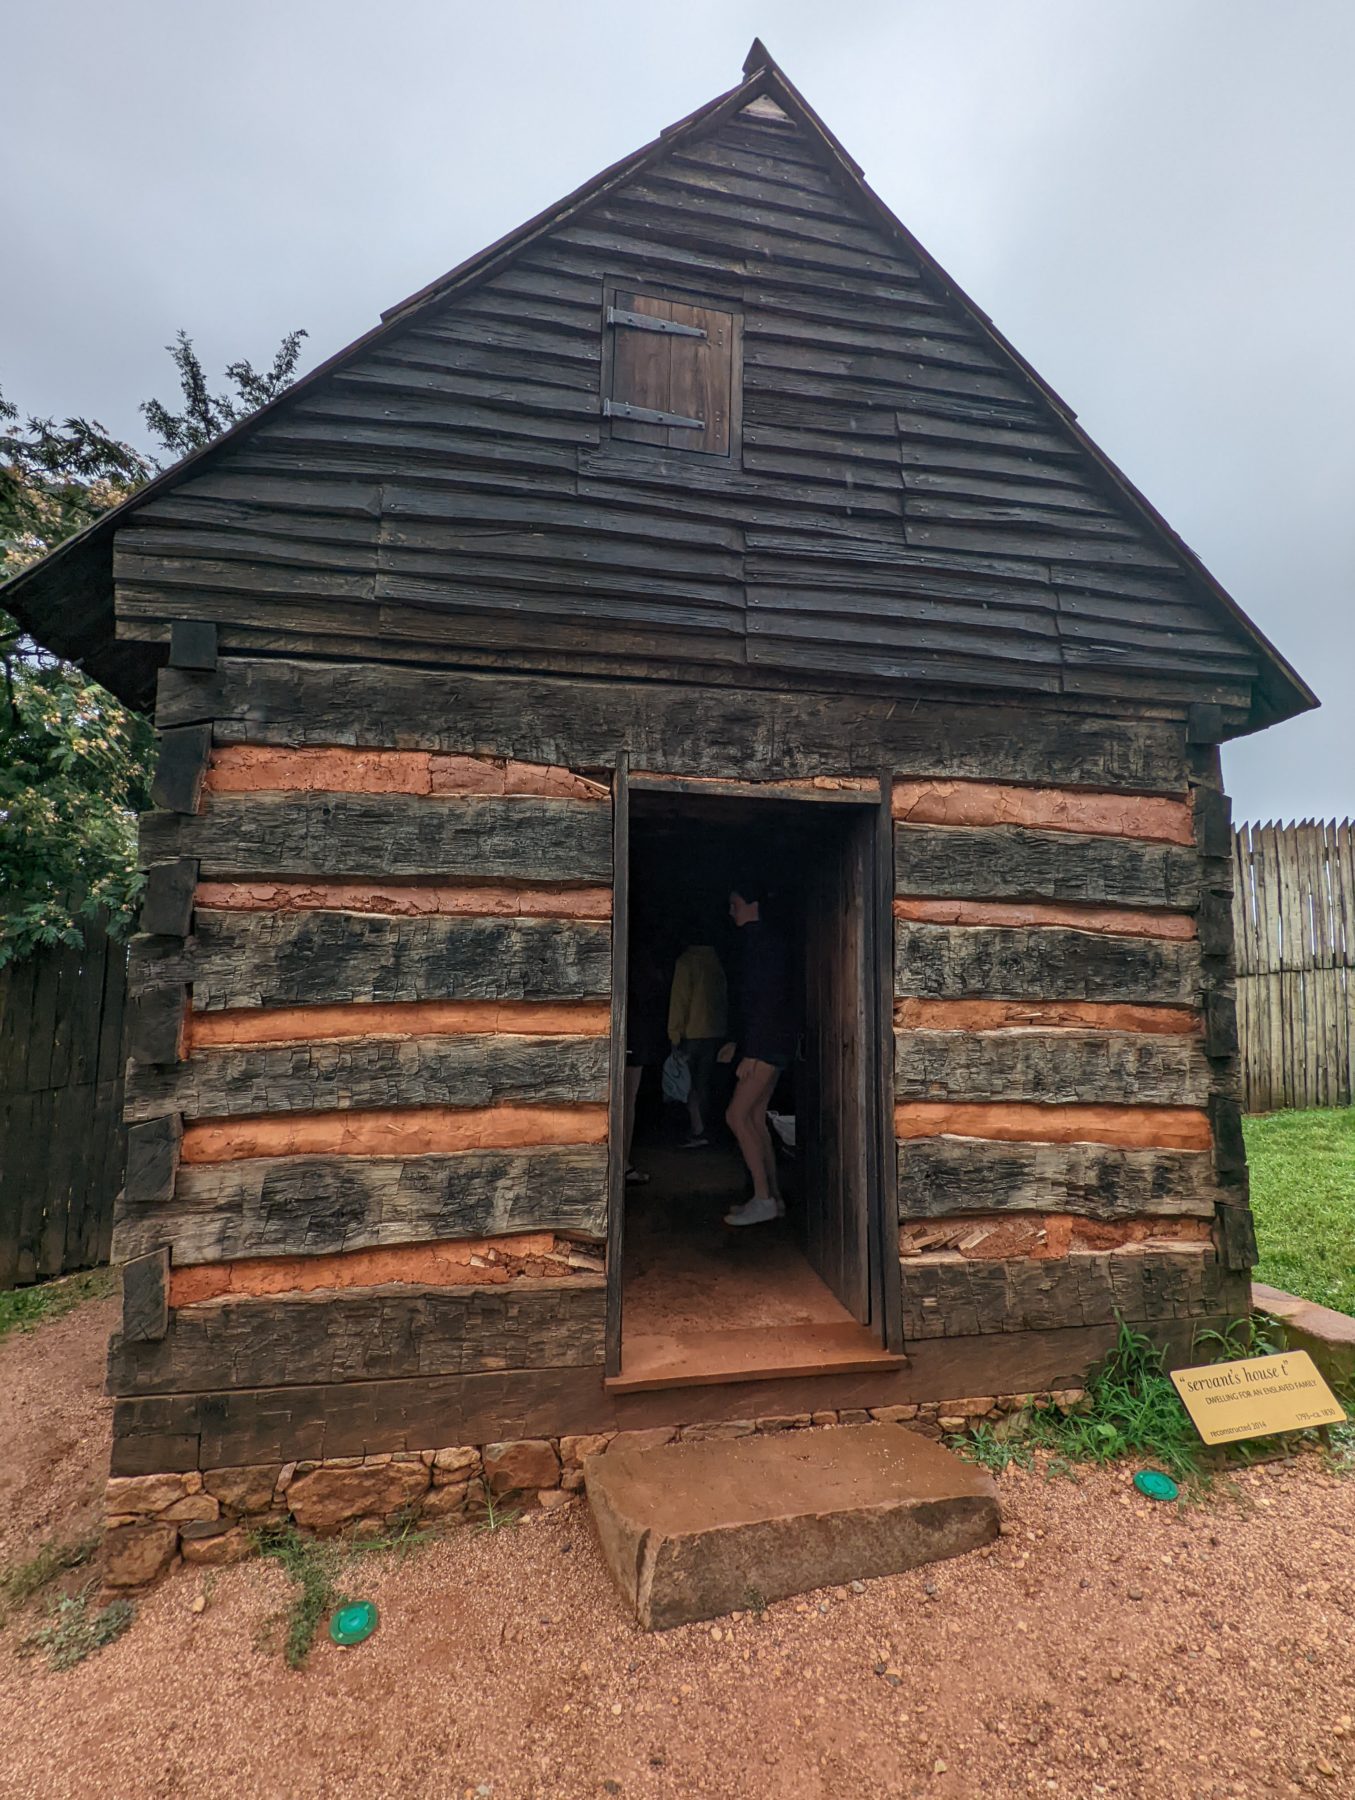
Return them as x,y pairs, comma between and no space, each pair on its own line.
1013,862
398,836
323,1205
308,958
1124,1068
953,1296
367,1336
962,1177
738,733
973,962
280,1424
336,1052
364,1049
480,1070
1064,1047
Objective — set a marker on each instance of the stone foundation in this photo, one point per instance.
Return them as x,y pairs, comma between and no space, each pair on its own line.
209,1517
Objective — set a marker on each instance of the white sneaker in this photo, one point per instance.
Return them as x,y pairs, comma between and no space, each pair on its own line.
760,1210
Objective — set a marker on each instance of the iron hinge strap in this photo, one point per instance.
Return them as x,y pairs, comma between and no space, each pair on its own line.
649,415
638,321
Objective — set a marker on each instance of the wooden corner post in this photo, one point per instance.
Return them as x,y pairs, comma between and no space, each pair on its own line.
616,1090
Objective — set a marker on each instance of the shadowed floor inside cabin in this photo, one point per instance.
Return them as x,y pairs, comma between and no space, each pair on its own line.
705,1302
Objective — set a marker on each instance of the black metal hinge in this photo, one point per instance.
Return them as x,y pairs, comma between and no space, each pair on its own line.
649,415
635,321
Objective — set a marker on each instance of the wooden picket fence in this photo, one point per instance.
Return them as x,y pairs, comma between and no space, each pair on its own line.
1294,919
61,1134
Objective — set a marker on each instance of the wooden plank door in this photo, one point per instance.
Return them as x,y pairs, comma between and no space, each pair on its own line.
836,1108
616,1107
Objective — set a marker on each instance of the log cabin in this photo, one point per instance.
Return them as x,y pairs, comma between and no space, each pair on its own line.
702,519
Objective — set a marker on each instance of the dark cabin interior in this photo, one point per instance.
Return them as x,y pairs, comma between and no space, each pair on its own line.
704,1301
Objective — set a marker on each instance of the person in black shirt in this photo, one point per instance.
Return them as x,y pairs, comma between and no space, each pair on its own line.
765,1044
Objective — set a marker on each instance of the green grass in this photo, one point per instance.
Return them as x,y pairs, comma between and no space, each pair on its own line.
20,1581
23,1308
1303,1196
73,1631
1131,1410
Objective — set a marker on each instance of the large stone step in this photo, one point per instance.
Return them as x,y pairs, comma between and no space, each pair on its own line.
695,1530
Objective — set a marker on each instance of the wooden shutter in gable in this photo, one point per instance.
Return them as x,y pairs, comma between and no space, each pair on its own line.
672,373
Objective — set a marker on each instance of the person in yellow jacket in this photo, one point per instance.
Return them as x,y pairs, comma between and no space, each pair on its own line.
698,1019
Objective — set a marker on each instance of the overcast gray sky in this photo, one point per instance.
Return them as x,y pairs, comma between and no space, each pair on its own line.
1152,198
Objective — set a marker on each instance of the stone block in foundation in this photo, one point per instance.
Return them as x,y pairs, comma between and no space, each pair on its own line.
693,1529
247,1489
573,1450
143,1494
521,1466
217,1548
445,1502
192,1507
329,1498
642,1440
455,1465
136,1555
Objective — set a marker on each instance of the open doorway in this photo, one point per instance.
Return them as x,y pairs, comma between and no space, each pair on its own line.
703,1300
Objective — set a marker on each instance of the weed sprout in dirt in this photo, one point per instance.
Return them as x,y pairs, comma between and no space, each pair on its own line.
75,1629
317,1566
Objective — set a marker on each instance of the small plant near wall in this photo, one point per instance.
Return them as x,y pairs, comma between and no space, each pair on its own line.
497,1517
317,1566
21,1580
1131,1409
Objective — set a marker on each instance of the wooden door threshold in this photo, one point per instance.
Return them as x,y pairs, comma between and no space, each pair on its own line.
747,1353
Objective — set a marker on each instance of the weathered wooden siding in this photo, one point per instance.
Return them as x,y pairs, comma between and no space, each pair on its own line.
61,1129
904,505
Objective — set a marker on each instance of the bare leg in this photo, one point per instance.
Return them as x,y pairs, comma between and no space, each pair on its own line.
632,1089
773,1186
747,1119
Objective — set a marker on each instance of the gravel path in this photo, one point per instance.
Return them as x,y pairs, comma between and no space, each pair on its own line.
1104,1646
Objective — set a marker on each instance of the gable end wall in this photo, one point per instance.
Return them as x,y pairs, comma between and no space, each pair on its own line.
904,505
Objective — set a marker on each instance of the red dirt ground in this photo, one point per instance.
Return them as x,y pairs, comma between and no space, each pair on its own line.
54,1423
1103,1647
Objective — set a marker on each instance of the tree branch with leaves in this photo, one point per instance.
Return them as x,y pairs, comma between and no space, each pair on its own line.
75,764
206,415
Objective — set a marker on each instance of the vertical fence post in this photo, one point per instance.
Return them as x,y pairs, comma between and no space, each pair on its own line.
1294,923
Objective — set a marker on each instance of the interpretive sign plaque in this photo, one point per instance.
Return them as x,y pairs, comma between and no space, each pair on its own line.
1257,1397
